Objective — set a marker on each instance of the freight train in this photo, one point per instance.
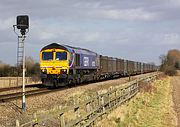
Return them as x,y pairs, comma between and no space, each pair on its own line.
66,65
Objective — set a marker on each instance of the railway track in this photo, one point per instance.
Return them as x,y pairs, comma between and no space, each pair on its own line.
19,87
12,93
17,95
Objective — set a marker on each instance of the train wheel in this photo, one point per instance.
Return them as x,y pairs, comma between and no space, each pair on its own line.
55,83
70,83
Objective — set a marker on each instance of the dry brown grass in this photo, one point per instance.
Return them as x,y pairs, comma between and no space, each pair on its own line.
144,87
147,109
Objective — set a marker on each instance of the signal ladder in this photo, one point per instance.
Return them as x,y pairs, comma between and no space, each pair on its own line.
20,57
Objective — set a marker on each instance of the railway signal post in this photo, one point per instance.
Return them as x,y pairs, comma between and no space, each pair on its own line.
23,26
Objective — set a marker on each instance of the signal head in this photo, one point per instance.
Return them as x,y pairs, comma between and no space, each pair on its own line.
22,22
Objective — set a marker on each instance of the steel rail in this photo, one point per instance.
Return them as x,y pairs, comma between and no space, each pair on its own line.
18,87
17,95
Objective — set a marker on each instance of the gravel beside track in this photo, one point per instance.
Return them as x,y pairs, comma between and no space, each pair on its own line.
10,111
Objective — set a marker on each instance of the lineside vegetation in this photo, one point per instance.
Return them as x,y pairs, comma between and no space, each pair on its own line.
32,68
170,63
152,107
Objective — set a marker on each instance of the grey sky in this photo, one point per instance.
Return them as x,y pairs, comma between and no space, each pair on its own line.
139,30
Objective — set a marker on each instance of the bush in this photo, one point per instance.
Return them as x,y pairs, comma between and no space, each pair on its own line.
32,68
170,70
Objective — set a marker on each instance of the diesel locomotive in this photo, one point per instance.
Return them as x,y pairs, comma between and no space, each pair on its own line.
66,65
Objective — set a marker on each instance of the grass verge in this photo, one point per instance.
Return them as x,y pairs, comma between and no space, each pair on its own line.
152,107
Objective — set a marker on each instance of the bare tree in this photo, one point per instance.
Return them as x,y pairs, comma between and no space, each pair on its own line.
170,62
32,68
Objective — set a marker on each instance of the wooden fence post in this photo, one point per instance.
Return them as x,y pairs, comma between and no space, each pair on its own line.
60,107
98,98
129,91
76,110
124,94
88,108
155,77
115,94
61,119
137,85
77,113
109,98
35,120
17,123
120,93
102,103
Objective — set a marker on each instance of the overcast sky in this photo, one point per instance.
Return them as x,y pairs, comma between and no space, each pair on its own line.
139,30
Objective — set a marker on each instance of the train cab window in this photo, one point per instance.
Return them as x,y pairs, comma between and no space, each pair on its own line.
77,60
47,56
61,56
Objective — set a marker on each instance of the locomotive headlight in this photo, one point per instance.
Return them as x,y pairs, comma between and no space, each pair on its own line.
44,70
63,71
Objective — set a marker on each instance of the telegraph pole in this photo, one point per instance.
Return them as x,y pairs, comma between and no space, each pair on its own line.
22,25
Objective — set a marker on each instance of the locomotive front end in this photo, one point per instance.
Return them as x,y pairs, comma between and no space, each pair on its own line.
54,63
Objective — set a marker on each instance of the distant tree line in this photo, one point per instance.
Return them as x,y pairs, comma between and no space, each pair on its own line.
170,62
32,68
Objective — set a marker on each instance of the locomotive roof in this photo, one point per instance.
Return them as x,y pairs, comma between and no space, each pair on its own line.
67,48
54,45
